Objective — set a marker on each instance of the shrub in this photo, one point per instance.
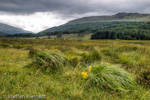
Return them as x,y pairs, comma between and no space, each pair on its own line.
109,77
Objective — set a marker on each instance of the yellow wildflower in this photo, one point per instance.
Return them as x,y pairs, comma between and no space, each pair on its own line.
84,75
89,68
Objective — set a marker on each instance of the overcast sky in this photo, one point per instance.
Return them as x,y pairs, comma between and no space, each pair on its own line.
37,15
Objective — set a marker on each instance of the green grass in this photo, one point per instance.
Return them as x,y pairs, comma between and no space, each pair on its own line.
70,37
129,81
110,77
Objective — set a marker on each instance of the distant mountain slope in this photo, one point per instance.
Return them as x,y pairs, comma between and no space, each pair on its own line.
2,34
99,22
7,29
118,17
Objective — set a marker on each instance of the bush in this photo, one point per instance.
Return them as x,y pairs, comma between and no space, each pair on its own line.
111,77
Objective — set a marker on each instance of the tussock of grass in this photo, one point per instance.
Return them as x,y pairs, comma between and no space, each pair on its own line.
33,52
110,77
85,47
75,61
91,57
111,53
144,77
45,60
4,45
21,46
130,59
77,57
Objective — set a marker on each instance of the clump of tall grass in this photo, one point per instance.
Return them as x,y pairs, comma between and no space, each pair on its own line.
131,60
75,61
110,53
110,77
91,56
77,57
144,77
21,46
4,45
33,52
47,60
85,47
126,48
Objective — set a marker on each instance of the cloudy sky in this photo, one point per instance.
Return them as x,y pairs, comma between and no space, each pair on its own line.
37,15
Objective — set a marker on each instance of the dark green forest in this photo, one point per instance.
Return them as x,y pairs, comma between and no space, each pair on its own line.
29,35
141,31
87,27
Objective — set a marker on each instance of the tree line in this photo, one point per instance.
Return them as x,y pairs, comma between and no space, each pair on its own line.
125,35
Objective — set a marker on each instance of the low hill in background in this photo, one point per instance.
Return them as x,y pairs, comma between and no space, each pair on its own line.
7,29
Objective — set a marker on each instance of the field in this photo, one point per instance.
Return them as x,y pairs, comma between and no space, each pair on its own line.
75,69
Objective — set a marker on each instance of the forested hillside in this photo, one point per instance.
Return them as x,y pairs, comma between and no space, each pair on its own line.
120,26
141,31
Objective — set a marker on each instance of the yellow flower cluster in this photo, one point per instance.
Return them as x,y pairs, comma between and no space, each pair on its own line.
84,74
89,68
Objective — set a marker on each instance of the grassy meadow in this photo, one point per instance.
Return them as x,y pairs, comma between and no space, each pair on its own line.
75,70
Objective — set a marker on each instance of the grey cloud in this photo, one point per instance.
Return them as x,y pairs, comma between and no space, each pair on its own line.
69,8
31,6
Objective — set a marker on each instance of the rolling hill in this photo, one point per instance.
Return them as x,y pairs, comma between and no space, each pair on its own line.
98,22
7,29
